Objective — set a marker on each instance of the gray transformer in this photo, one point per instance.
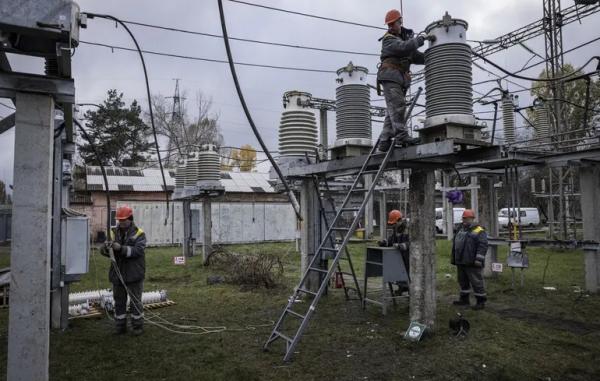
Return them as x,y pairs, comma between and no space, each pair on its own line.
448,74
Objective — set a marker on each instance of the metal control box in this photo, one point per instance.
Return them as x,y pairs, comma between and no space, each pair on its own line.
75,245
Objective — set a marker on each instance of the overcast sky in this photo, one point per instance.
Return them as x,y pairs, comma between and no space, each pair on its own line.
97,69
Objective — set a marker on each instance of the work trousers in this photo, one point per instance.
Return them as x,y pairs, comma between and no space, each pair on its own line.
470,277
136,307
394,124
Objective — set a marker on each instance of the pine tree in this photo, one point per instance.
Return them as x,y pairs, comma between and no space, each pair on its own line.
118,132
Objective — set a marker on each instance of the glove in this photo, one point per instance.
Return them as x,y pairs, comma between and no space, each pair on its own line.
431,37
420,40
401,246
478,264
116,246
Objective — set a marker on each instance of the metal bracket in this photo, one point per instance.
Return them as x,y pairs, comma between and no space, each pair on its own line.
63,90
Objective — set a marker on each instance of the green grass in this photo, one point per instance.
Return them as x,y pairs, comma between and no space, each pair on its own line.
542,341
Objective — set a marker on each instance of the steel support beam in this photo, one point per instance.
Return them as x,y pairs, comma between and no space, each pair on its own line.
207,227
29,313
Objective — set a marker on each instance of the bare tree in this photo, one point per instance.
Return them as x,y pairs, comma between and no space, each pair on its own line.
183,131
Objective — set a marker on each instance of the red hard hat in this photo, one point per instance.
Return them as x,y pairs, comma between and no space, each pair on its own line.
394,216
392,16
124,212
468,213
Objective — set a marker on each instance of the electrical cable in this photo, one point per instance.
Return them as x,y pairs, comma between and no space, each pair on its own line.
238,88
515,75
115,47
162,172
179,30
308,15
7,106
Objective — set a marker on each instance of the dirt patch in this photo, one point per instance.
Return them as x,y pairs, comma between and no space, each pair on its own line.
573,326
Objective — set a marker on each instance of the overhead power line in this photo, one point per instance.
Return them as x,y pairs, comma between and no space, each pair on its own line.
179,30
308,15
294,68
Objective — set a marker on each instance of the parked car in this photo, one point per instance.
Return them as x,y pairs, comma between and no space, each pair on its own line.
528,216
440,228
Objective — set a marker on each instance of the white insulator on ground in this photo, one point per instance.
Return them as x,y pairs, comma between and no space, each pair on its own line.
79,309
448,74
353,106
209,164
508,119
93,296
298,133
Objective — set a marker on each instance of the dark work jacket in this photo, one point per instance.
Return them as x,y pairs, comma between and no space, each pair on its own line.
398,235
400,53
131,259
469,245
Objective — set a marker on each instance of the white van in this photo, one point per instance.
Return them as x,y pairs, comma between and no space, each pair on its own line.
440,228
529,217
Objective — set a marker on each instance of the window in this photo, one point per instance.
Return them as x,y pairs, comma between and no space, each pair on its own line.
113,218
522,213
438,215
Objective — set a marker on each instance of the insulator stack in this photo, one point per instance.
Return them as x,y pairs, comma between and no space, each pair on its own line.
180,174
508,119
448,74
298,133
542,121
353,103
209,164
192,169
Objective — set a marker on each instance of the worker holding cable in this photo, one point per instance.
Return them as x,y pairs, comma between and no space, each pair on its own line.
399,49
127,271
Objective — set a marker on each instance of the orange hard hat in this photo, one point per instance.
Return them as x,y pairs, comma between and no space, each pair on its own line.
392,16
124,212
468,213
394,216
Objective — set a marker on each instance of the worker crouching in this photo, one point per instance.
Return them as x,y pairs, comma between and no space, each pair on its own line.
128,270
399,239
469,248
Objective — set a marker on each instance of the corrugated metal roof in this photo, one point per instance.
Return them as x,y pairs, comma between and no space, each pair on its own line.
150,180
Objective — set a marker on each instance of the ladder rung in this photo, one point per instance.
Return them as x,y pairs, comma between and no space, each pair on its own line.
329,249
284,337
350,209
296,314
318,269
369,172
340,229
359,190
307,292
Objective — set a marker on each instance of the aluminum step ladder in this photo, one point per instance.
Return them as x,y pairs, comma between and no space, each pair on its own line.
328,246
326,214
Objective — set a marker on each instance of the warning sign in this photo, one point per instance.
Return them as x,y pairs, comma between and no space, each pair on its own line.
179,261
497,267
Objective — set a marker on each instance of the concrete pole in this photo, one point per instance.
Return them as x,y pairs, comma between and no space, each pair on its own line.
422,247
323,132
207,226
309,208
589,180
369,215
29,313
187,228
383,215
488,218
56,296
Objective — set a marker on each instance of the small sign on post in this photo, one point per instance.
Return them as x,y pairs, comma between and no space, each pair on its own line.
415,331
497,267
179,261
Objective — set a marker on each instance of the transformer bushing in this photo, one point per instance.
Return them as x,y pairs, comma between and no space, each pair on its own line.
298,133
448,74
180,175
542,120
353,107
508,118
191,170
209,163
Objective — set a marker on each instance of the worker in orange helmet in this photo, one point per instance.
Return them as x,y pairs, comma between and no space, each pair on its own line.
398,238
469,248
128,270
399,49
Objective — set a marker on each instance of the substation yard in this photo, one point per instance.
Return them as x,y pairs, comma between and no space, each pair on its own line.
526,334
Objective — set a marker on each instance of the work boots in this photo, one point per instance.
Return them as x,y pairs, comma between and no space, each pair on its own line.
480,303
462,301
137,326
120,326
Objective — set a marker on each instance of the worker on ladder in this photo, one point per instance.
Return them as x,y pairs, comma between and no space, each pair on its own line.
399,49
128,270
398,238
469,248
